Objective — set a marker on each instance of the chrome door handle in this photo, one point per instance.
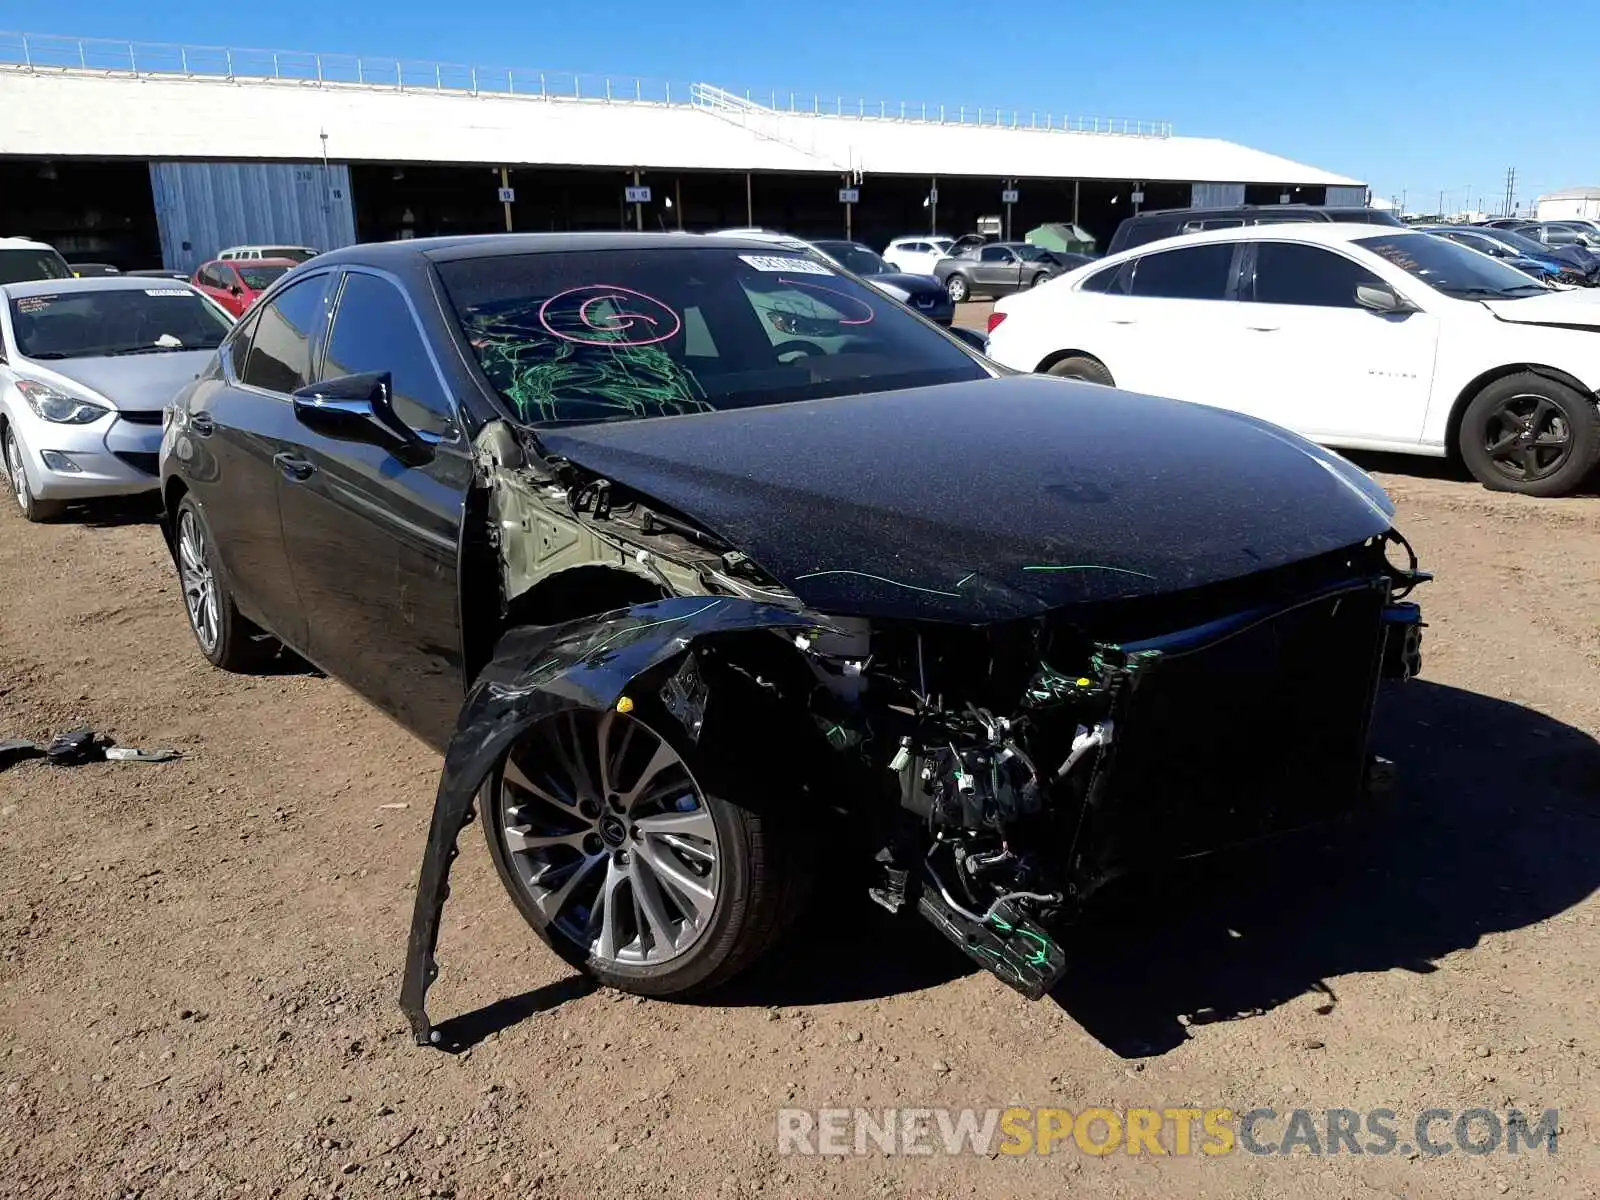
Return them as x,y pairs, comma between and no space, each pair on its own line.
1262,328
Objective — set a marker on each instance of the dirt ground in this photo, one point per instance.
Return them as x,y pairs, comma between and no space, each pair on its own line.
199,961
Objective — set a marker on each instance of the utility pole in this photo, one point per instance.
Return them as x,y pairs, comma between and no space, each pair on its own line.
1441,204
1511,186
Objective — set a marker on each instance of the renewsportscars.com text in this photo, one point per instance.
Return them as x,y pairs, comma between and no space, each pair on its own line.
1159,1132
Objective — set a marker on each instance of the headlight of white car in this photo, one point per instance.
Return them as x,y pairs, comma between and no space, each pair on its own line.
57,406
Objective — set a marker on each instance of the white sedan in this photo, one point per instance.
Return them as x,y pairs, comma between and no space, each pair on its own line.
916,255
1353,335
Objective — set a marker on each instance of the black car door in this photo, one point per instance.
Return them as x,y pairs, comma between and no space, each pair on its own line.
241,426
373,542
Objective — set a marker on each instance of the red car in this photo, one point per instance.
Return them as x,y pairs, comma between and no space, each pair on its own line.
235,285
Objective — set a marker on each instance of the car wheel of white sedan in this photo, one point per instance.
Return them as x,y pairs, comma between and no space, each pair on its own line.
1081,366
1530,434
32,508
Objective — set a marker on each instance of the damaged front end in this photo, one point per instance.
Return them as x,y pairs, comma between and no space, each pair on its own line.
993,776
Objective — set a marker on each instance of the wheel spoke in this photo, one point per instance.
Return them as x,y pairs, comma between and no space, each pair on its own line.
521,842
664,759
553,903
696,824
519,778
607,946
652,907
1505,442
692,889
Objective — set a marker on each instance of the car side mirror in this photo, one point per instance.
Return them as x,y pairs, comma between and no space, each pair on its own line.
235,289
359,408
1380,298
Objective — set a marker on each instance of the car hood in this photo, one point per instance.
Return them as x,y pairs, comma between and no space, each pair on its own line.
134,382
1001,498
1579,307
901,284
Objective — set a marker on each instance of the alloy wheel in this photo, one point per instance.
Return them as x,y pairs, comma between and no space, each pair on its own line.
19,481
1528,437
610,838
199,582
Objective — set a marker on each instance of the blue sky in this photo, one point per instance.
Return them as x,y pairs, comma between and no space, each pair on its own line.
1410,94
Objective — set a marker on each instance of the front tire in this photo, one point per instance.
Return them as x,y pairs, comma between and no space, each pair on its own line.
32,508
227,639
1530,434
957,288
1038,279
1081,366
627,866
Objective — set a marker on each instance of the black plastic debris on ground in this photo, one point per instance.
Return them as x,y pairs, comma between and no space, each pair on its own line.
76,747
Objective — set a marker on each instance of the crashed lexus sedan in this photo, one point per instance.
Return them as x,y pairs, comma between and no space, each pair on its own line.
713,571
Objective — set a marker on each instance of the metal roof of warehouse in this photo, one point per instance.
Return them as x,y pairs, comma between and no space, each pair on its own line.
56,112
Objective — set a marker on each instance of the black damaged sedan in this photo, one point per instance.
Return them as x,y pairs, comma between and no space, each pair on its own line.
717,576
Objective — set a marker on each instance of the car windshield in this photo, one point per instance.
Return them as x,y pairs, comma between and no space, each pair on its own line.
622,334
93,324
258,279
1452,269
853,256
22,266
942,245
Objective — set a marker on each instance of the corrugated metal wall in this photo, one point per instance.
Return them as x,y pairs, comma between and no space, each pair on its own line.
1346,197
201,207
1216,195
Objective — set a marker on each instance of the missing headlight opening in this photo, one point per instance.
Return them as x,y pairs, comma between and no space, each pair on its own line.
989,776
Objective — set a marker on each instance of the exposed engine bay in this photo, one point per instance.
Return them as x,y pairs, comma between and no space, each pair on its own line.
993,774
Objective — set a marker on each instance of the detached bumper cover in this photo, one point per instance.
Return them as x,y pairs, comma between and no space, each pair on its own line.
585,664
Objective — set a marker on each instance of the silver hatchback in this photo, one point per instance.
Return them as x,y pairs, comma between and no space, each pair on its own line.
87,367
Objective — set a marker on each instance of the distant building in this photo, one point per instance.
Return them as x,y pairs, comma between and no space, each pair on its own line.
1570,202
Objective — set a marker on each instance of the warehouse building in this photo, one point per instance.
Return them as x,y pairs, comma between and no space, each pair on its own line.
143,154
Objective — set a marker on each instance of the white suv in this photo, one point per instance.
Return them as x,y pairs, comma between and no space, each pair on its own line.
1352,335
916,255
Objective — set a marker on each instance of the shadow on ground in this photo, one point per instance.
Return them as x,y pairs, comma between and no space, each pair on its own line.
109,514
1493,828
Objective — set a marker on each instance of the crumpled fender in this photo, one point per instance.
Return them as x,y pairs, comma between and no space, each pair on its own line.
585,664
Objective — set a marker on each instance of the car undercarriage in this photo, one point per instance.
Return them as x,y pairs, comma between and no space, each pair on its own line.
991,775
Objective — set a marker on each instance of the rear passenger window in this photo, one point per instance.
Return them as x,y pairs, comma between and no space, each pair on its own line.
1112,280
280,359
373,330
1192,273
1289,273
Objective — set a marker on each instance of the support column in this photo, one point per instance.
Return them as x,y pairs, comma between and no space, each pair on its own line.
749,202
638,209
505,182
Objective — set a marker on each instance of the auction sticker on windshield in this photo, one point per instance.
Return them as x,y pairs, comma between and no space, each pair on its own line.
776,264
167,292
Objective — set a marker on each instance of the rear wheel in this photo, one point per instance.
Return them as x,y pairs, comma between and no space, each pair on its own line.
227,639
1038,279
957,288
1081,366
32,509
624,862
1530,434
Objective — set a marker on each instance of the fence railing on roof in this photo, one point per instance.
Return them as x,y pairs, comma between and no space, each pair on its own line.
50,53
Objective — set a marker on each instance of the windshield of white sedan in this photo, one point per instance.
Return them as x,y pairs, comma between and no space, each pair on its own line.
614,335
115,322
1452,269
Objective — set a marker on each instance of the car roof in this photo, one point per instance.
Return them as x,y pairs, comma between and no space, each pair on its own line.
22,243
1329,233
94,283
265,246
494,245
